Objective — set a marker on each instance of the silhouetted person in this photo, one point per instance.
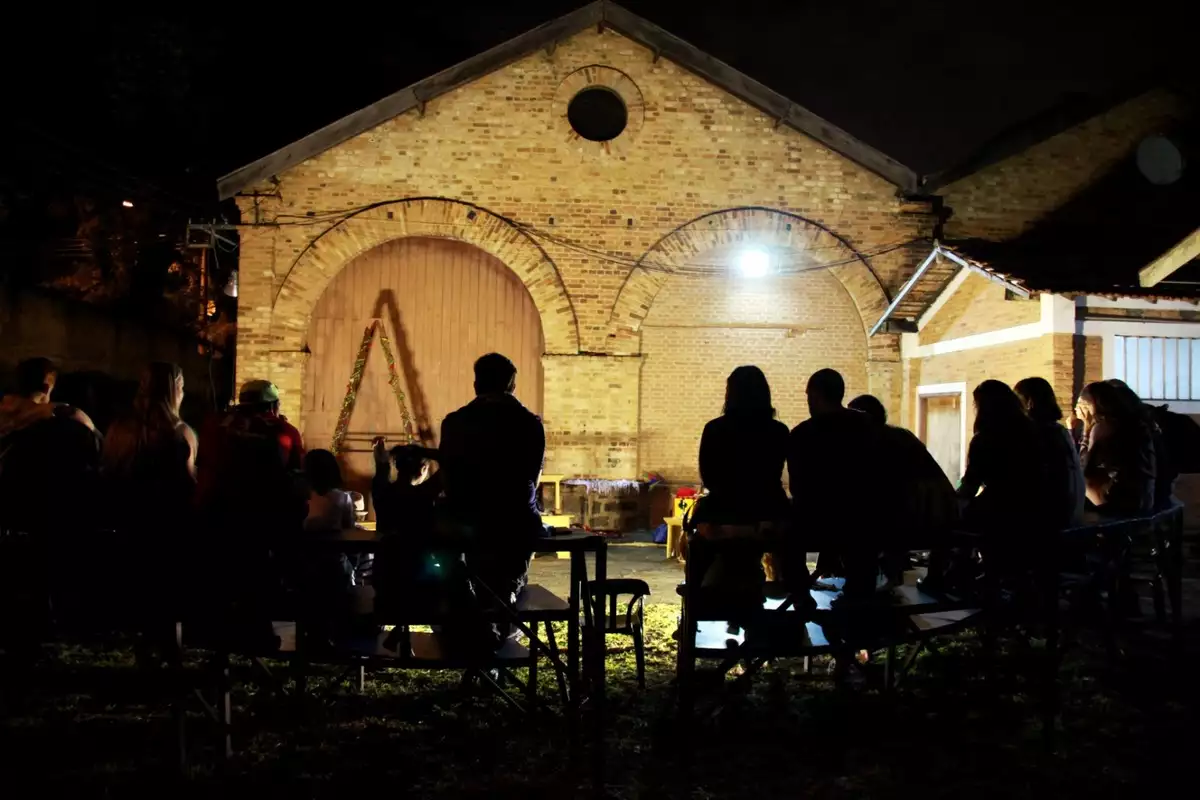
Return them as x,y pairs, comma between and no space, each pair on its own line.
49,456
1117,451
251,458
149,471
49,460
405,505
1064,487
742,453
330,507
491,453
833,461
1003,485
912,484
414,569
149,456
1166,469
251,497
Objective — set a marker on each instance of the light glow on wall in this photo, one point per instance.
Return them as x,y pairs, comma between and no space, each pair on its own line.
754,263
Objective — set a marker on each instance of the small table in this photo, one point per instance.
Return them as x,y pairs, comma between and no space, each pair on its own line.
578,545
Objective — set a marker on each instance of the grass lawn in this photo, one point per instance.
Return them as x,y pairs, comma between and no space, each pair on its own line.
92,723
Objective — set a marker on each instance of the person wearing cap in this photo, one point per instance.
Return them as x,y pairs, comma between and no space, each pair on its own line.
251,444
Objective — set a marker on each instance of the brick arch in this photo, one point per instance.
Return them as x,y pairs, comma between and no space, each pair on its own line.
338,245
764,226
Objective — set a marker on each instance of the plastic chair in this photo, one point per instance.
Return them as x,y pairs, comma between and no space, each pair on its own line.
633,623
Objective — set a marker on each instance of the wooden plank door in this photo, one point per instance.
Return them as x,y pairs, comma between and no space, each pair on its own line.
443,303
942,425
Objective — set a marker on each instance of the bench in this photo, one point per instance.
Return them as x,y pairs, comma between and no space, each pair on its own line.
802,624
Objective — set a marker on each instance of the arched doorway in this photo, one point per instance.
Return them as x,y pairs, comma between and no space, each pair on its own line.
443,303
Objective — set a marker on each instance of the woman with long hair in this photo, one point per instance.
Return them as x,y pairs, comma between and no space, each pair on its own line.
742,453
1002,484
1165,469
1117,451
1065,491
149,455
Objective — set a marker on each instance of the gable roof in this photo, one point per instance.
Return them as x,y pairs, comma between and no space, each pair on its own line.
599,13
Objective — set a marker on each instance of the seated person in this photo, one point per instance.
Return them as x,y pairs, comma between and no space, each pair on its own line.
835,460
1002,487
742,453
1117,452
413,568
1166,468
407,503
330,508
919,491
1065,490
324,581
49,456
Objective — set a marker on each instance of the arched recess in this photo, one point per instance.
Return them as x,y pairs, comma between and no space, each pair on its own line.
765,227
355,234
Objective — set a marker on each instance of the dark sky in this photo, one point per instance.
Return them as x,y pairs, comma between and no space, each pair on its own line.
179,96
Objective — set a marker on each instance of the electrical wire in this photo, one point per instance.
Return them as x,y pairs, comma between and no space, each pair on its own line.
337,216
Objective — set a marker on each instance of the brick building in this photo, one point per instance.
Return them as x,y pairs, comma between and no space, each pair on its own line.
587,196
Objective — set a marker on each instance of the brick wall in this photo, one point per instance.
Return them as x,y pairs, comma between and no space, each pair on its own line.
978,306
1004,362
591,414
587,214
700,329
573,218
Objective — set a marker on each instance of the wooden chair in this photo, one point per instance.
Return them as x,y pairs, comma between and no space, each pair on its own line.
633,623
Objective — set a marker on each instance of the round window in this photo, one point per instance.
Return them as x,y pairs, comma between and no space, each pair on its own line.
598,114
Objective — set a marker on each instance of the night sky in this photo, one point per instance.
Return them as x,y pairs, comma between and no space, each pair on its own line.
164,103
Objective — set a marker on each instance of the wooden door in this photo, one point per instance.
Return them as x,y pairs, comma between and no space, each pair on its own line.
942,423
443,303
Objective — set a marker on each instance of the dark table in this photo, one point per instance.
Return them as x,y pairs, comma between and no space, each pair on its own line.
581,601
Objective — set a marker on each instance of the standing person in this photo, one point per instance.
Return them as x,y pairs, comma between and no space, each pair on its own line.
833,459
742,453
491,453
1065,490
1117,452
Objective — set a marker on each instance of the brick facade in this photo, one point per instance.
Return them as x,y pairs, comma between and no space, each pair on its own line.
594,231
608,237
1001,201
978,306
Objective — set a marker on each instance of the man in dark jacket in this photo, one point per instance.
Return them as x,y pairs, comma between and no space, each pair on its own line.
491,455
832,458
